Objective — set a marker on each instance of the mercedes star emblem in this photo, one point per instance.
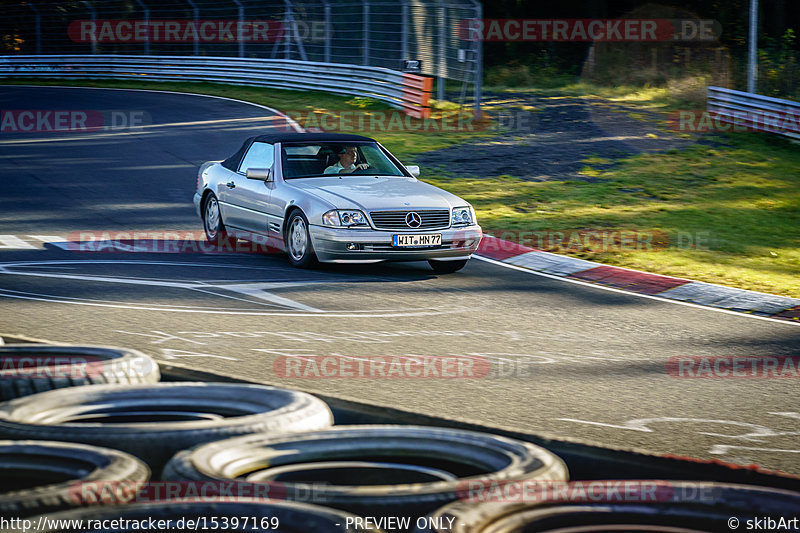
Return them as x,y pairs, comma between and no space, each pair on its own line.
413,220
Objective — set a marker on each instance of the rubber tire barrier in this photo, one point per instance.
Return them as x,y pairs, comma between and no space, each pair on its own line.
459,453
292,517
684,505
22,372
108,415
46,476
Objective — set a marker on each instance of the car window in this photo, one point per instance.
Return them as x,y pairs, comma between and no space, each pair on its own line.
303,149
260,155
377,161
302,160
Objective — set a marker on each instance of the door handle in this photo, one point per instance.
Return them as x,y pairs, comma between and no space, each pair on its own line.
231,185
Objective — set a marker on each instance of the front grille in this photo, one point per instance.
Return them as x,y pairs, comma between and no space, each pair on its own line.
396,220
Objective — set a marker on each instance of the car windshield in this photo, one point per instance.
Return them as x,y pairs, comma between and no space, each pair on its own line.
308,160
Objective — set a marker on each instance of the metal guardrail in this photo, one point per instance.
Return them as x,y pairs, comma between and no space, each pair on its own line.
409,92
755,112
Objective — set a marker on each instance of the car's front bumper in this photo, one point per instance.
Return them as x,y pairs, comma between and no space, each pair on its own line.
371,245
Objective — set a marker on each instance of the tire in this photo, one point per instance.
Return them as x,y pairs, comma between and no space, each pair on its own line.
447,267
40,476
299,247
153,422
432,465
31,368
213,225
241,515
686,506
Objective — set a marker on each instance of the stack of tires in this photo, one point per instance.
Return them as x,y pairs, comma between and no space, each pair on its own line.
85,427
95,435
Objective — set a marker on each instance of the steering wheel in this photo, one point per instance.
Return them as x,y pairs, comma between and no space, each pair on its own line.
360,159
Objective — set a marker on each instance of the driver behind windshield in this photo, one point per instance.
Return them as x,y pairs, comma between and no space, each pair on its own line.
346,165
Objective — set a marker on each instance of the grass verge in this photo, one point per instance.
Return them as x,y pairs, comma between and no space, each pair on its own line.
686,93
728,214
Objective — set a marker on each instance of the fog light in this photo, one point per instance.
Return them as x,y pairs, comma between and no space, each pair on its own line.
351,246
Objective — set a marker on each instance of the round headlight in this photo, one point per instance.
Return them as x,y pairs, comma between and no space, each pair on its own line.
462,215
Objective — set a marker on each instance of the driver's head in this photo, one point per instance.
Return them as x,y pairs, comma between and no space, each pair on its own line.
347,155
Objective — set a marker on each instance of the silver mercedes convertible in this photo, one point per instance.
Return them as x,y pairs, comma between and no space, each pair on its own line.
333,198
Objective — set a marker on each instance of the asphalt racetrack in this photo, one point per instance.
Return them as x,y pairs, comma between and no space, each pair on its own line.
564,360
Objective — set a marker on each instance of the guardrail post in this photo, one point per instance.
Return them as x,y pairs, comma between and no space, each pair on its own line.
196,17
279,39
239,34
38,26
93,14
441,70
147,25
404,32
288,22
327,31
752,67
478,85
365,22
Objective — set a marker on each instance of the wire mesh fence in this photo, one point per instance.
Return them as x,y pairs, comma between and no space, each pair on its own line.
413,35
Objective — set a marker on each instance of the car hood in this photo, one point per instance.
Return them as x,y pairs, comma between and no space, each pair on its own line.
371,193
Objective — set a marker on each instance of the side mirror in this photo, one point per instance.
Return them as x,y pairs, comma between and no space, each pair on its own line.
414,169
263,174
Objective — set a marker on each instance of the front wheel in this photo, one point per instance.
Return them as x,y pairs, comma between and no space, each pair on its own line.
212,221
447,267
298,241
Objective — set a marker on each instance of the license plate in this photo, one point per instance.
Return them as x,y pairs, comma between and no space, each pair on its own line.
417,241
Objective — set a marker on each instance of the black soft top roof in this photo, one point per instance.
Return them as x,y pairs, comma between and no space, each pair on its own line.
232,163
310,137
